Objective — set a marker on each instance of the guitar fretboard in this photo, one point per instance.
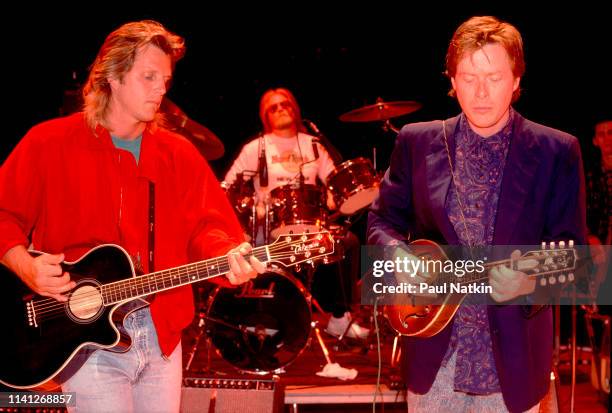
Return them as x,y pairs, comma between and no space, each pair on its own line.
564,261
167,279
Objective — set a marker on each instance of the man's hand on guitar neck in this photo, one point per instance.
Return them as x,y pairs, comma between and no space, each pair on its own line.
43,274
242,270
507,283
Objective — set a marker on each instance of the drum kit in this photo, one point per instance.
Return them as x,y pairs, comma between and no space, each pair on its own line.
279,324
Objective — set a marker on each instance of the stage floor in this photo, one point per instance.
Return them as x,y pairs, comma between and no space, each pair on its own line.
305,391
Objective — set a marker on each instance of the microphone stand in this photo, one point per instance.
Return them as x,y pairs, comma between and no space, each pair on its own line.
331,150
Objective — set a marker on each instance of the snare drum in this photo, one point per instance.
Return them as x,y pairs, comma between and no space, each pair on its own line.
263,325
354,185
297,209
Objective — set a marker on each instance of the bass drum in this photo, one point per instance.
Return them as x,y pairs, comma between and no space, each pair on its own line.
262,325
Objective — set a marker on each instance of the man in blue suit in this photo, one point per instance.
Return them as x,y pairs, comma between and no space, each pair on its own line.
485,177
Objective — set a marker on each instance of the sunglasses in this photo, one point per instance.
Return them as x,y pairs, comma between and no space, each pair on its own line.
278,106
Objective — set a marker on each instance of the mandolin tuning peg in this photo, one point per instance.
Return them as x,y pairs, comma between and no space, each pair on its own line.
570,276
562,278
552,245
543,245
561,244
571,243
543,282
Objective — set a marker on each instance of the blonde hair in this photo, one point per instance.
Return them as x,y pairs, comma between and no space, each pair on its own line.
479,31
116,58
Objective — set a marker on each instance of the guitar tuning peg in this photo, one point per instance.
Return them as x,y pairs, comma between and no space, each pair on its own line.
543,282
552,245
562,278
552,280
543,245
561,244
570,276
571,243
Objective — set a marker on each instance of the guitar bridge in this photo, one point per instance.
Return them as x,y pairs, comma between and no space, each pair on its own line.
31,314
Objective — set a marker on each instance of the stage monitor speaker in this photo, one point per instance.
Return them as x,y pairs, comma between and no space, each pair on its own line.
231,395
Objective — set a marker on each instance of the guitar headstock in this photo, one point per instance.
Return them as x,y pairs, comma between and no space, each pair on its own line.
294,249
552,264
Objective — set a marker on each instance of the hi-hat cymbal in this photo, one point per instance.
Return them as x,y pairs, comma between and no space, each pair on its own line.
381,111
174,119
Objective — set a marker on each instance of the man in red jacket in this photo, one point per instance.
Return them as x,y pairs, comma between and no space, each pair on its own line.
86,179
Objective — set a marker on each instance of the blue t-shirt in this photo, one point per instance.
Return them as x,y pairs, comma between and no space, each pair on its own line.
132,146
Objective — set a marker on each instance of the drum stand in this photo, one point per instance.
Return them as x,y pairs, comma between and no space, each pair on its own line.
314,303
196,343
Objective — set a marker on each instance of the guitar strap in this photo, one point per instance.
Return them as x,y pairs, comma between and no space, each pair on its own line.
151,247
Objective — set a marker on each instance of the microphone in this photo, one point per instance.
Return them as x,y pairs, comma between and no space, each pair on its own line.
317,132
322,139
260,332
263,164
312,126
263,171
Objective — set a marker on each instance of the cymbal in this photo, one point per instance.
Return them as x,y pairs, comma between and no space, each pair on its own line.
381,111
174,119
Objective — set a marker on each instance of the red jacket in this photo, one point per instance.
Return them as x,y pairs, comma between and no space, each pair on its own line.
71,189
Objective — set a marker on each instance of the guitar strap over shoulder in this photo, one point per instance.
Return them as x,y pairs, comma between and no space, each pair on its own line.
151,246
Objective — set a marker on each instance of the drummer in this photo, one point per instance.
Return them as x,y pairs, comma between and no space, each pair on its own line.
284,154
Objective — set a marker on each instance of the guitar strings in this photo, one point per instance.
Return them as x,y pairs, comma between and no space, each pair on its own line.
141,282
56,308
44,308
223,266
180,272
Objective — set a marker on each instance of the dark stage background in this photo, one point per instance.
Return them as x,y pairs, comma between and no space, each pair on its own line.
230,63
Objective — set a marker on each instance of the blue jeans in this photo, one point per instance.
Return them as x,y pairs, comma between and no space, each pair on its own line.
139,380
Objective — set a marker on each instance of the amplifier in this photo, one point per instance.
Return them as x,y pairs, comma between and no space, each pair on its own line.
231,395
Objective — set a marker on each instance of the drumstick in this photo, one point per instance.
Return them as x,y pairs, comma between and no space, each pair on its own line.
322,344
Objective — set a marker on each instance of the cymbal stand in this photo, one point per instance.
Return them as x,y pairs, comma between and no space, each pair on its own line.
388,127
196,343
309,279
313,302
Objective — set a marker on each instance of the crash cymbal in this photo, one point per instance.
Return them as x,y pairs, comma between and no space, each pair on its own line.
381,111
174,119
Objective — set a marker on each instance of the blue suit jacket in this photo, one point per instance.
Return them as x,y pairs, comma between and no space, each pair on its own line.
542,199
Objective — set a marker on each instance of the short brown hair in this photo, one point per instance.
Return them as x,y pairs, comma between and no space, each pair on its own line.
479,31
116,57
